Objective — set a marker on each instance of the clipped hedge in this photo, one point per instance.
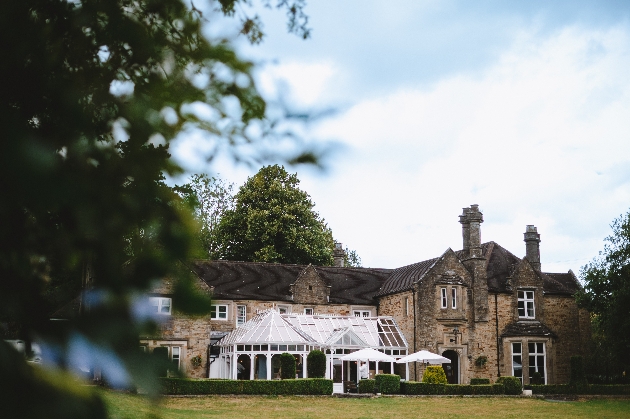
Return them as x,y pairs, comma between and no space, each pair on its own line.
479,381
387,383
417,388
513,385
593,389
316,364
302,386
367,386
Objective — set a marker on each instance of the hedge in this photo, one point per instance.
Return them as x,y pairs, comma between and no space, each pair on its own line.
387,383
594,389
512,385
418,388
478,381
367,386
181,386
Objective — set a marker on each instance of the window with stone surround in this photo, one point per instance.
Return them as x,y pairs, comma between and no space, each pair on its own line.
284,309
362,313
526,304
176,353
308,311
161,305
443,299
536,352
517,360
241,315
453,297
219,312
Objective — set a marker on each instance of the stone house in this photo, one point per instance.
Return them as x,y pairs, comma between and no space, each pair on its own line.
490,312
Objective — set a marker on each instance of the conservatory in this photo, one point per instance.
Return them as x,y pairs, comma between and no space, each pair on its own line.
252,351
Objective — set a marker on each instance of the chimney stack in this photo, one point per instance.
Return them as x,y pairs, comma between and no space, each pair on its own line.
532,246
471,220
339,255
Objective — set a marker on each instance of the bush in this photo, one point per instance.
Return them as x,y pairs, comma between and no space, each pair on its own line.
316,364
479,381
512,385
187,386
388,383
367,386
578,379
434,374
595,389
287,366
417,388
537,378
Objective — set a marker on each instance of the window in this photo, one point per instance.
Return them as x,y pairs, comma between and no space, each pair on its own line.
526,304
536,359
219,312
362,313
453,297
284,309
517,360
407,306
175,357
160,305
241,315
444,303
308,311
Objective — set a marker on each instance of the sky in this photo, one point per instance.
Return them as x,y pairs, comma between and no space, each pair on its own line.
521,107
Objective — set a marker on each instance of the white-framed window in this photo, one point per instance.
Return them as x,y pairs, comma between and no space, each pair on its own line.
362,313
517,360
161,305
219,312
526,304
176,353
241,315
284,309
536,360
443,299
309,311
453,297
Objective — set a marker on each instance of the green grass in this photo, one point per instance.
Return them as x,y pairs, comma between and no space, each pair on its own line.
125,406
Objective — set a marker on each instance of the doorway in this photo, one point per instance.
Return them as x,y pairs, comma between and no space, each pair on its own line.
452,369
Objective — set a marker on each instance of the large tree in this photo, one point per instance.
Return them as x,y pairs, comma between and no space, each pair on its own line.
273,221
606,295
93,92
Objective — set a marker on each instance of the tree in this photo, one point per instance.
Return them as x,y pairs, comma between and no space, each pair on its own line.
273,221
209,198
94,93
606,293
352,259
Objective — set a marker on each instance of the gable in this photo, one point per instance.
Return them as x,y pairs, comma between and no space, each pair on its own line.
310,288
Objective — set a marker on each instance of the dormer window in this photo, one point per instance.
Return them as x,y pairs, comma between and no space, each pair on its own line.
443,299
526,305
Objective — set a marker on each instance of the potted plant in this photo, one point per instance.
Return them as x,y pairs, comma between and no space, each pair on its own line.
481,361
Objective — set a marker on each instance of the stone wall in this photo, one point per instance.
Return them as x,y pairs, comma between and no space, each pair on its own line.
309,288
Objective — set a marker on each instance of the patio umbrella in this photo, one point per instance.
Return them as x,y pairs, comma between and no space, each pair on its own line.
368,354
426,357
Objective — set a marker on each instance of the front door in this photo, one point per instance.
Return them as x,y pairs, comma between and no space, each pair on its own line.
452,369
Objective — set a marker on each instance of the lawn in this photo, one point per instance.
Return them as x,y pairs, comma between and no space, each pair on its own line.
125,406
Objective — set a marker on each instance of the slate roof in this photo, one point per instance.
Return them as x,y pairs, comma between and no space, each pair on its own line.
527,329
271,281
500,266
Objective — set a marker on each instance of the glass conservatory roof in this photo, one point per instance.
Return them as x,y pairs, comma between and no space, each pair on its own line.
319,330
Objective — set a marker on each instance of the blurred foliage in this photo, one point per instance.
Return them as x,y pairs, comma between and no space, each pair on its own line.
94,91
606,295
273,221
351,258
209,197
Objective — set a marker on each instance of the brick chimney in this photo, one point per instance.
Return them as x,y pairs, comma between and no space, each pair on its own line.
532,246
339,255
473,259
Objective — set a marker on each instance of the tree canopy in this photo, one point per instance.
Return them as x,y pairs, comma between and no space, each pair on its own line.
273,221
606,293
94,91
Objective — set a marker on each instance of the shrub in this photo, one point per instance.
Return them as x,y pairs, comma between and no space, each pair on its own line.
434,374
537,378
287,366
367,386
388,383
308,386
578,379
316,364
479,381
512,385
